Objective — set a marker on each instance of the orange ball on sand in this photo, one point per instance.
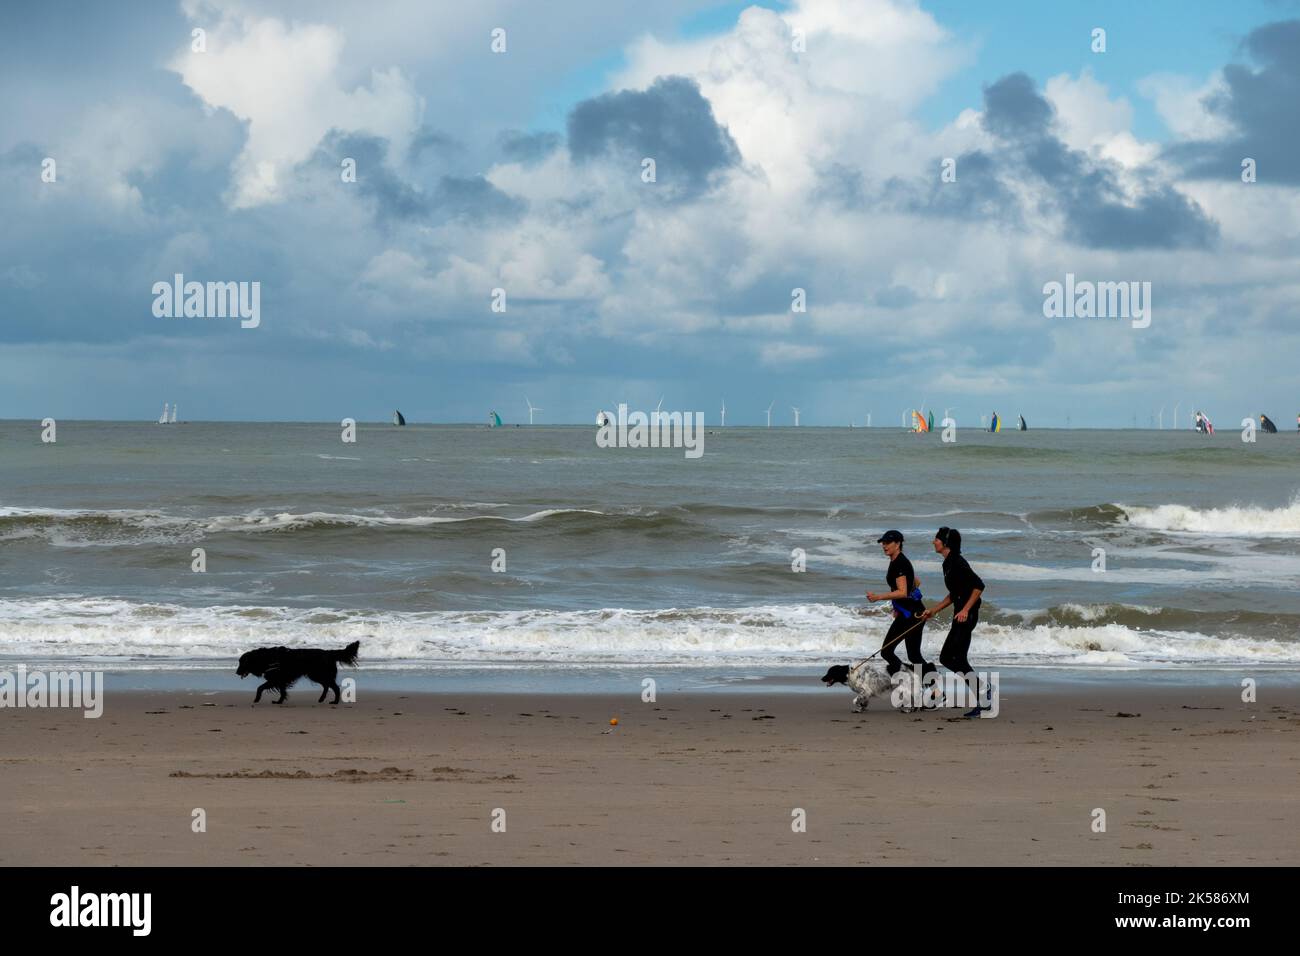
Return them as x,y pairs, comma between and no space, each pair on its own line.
613,721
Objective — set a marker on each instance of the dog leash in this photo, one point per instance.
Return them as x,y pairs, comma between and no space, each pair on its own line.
895,640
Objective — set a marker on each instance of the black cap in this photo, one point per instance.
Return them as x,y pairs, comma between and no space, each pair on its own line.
890,536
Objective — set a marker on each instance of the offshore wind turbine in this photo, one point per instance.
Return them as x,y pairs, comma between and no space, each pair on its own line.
724,414
531,408
769,413
796,416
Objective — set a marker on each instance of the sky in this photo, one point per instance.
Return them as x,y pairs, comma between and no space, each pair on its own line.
502,238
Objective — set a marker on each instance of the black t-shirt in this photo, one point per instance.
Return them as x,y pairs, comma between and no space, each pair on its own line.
960,581
901,567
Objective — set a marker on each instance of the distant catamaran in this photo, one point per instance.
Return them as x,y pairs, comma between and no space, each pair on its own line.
398,418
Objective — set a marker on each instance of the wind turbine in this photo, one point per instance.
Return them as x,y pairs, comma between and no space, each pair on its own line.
660,405
1161,415
724,413
1176,404
796,416
868,419
531,409
769,413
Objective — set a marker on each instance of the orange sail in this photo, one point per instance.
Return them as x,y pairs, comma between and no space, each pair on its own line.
919,424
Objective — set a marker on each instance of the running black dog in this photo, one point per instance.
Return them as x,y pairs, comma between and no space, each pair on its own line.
283,667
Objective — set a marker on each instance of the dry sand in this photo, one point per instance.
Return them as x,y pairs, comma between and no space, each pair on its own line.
1197,778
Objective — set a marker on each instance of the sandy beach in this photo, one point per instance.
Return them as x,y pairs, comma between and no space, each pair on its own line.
1194,776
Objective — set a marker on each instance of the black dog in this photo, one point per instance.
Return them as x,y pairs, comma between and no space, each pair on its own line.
283,667
837,674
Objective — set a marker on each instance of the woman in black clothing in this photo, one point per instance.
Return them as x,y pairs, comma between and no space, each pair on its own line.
905,596
964,590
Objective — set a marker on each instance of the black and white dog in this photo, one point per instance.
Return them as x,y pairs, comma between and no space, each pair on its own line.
869,678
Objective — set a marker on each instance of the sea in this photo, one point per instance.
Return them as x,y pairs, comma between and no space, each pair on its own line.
531,555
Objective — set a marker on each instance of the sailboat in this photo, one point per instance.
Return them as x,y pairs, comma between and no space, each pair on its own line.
919,423
162,420
995,424
174,408
1266,424
930,422
494,420
398,418
1023,426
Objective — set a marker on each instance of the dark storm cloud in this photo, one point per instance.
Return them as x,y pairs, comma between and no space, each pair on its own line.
529,147
1084,191
1262,105
1087,192
429,140
977,192
671,122
470,198
1013,110
474,198
393,197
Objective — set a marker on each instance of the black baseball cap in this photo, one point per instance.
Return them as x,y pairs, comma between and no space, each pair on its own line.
890,536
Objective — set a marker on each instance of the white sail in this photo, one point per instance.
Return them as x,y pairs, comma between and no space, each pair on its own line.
174,407
163,419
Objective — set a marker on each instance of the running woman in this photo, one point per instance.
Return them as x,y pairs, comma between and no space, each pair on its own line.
905,596
964,590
